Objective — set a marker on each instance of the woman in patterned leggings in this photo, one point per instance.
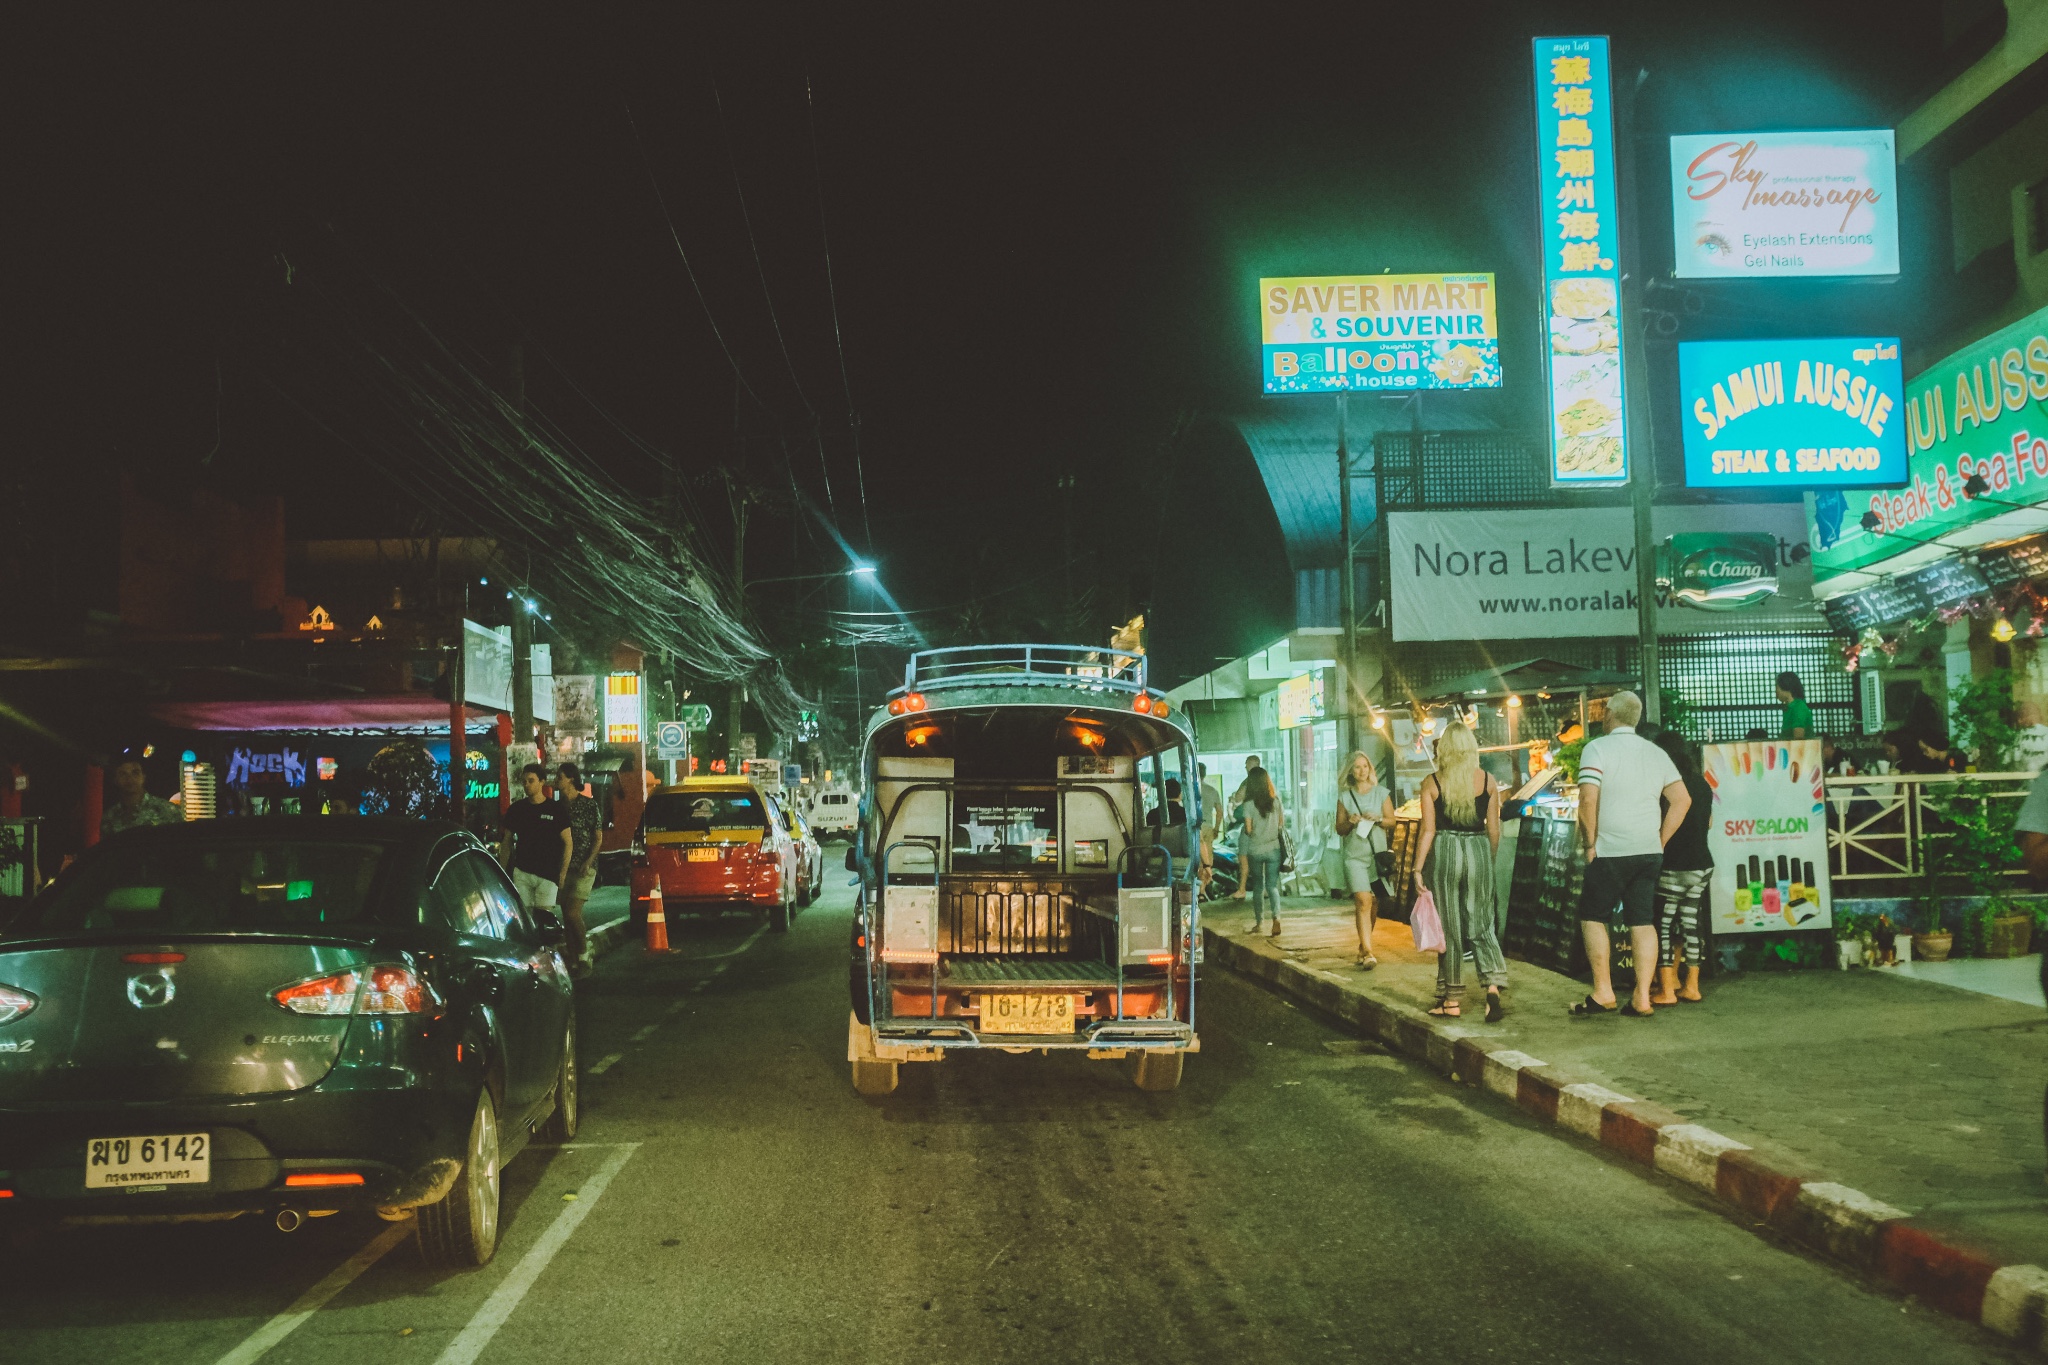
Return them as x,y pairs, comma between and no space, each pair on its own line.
1682,885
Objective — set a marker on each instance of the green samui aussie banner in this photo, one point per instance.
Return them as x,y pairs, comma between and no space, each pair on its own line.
1983,410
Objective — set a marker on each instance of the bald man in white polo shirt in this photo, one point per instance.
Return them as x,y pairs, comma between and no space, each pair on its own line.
1622,777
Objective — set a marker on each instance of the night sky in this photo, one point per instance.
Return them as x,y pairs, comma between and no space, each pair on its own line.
1045,223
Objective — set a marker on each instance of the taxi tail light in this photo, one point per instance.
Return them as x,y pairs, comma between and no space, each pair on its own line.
14,1002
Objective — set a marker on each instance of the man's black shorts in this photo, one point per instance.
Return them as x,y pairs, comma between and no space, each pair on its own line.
1631,881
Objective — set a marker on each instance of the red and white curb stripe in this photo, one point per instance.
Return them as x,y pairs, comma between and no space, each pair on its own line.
1843,1223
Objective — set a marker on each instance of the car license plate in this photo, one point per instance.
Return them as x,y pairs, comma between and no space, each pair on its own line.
1034,1013
703,855
142,1162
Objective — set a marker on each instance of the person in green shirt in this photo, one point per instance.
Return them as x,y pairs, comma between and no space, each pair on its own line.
1798,715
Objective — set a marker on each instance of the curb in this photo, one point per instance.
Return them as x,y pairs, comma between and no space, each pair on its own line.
1823,1216
606,937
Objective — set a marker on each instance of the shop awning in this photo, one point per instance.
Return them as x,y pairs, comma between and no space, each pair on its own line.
1529,676
400,715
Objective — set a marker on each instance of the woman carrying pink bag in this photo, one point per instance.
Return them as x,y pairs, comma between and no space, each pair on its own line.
1454,860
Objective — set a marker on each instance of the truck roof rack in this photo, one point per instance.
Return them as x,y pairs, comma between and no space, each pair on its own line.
1022,665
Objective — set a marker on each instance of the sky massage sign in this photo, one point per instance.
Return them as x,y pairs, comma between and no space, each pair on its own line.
1336,333
1793,414
1581,270
1748,205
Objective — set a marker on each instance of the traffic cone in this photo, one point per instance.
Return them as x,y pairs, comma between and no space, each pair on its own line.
657,922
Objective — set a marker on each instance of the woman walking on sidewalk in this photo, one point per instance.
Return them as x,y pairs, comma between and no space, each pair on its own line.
1454,864
1364,812
1258,846
1682,881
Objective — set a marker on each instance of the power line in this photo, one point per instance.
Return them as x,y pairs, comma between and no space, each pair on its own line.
832,295
760,270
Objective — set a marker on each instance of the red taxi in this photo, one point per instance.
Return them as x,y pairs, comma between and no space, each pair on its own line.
716,844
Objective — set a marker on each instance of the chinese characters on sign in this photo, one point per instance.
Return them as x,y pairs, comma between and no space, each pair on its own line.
1339,332
1581,271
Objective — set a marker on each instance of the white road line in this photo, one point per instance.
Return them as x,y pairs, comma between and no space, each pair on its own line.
314,1299
505,1299
604,1063
678,1006
644,1034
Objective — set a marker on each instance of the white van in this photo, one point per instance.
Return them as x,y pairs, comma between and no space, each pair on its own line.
834,811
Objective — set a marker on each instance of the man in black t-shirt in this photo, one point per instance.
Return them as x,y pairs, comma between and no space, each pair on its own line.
535,841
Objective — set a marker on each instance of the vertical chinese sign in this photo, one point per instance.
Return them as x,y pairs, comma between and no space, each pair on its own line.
1581,269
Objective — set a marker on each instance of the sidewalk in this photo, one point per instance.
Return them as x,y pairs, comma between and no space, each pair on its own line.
605,919
1923,1100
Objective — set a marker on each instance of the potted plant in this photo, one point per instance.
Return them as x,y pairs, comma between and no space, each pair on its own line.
2004,929
1932,940
1852,937
1969,848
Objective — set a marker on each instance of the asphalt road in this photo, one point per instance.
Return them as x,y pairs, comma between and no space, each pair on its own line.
730,1198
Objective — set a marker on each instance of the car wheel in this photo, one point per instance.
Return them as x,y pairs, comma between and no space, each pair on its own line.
1158,1070
780,914
568,1113
461,1228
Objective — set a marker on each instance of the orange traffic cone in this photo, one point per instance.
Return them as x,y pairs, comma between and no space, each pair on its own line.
657,922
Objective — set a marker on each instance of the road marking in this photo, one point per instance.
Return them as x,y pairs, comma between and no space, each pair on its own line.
644,1034
314,1299
678,1006
604,1063
505,1299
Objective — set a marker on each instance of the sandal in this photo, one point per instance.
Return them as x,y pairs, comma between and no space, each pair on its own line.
1628,1007
1495,1011
1366,962
1589,1008
1446,1007
1276,926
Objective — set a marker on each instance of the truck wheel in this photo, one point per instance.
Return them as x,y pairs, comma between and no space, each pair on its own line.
460,1229
875,1078
1158,1070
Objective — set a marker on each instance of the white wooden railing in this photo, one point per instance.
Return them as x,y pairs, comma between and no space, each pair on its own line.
1877,824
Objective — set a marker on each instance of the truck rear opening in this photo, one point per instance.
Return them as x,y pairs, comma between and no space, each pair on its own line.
1019,887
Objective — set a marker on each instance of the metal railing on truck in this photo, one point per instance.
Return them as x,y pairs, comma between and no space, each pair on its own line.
1021,665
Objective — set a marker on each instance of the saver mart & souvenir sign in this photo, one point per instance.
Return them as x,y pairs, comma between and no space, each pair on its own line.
1977,412
1768,837
1342,333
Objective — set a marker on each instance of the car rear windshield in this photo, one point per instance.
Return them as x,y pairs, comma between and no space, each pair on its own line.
702,812
215,886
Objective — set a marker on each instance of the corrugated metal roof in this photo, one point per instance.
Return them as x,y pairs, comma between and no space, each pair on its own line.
1294,442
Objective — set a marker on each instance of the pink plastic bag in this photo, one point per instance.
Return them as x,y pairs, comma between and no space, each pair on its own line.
1425,924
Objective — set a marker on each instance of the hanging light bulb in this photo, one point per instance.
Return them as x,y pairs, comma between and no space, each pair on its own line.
2001,630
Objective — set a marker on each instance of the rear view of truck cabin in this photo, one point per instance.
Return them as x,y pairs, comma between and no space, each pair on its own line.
1024,885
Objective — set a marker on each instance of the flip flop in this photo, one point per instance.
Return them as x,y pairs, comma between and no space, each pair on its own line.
1495,1011
1589,1008
1628,1007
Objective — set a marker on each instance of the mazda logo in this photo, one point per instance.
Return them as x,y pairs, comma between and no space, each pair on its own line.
151,990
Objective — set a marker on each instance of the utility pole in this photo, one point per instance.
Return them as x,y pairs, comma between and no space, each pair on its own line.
1067,535
1636,416
522,619
458,717
740,496
1347,659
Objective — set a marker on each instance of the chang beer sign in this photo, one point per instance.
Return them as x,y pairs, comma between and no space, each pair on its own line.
1719,571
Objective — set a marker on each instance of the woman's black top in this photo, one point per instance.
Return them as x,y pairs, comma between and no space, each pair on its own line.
1478,825
1687,851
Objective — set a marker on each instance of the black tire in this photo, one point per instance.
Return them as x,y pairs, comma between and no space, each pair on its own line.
460,1230
782,912
1158,1070
567,1115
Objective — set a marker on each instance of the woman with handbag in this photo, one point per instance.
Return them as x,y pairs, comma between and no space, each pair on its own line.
1260,844
1364,813
1460,835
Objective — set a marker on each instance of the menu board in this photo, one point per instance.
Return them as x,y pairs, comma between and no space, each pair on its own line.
1909,595
2004,567
1543,902
1944,584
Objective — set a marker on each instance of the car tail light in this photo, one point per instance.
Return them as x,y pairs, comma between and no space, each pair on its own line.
389,989
321,1180
14,1003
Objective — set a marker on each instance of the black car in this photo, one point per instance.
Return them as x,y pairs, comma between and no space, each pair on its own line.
282,1016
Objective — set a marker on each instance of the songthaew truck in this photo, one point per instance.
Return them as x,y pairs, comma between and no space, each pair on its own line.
1022,884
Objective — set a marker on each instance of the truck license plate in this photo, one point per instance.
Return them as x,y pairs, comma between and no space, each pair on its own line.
1034,1013
143,1162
